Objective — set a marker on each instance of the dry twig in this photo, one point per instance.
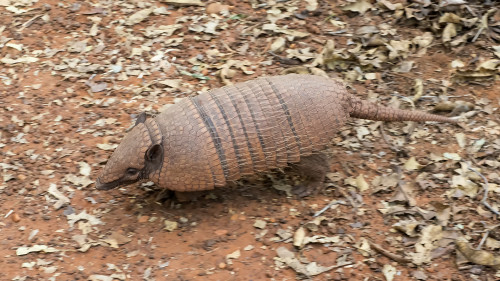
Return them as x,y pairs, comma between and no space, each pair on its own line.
388,254
486,190
333,202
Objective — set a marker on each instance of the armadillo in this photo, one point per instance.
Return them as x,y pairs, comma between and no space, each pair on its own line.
224,134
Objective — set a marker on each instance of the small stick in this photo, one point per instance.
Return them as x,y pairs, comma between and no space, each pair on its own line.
478,33
29,22
228,48
333,202
268,46
483,240
400,184
388,254
284,60
386,140
341,265
349,198
486,190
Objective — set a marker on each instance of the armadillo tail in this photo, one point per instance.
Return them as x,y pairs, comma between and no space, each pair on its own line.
366,110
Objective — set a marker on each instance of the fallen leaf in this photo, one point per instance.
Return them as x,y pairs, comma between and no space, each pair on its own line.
312,5
61,199
463,186
107,146
292,33
278,45
430,235
92,220
363,247
419,89
234,255
260,224
83,181
298,237
478,256
424,40
358,182
171,225
7,60
116,239
96,87
112,277
21,251
184,2
452,156
312,269
84,168
167,30
411,164
389,272
360,6
138,16
449,32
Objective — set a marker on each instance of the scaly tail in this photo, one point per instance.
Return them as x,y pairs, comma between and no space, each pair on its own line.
366,110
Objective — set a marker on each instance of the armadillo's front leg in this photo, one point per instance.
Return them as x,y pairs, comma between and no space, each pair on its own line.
313,168
180,196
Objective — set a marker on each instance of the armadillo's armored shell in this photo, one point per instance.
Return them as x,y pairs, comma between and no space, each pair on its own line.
250,127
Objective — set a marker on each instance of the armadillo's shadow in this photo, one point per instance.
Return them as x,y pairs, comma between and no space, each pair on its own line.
271,188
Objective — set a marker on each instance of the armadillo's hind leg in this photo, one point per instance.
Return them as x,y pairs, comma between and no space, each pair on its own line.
314,169
188,196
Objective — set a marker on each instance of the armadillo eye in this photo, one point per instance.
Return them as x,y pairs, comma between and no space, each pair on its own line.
132,171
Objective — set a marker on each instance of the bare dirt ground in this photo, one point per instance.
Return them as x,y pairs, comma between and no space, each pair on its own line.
407,199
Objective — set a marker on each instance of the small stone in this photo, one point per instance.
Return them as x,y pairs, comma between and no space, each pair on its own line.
221,232
15,217
260,224
419,275
68,211
143,219
222,265
183,220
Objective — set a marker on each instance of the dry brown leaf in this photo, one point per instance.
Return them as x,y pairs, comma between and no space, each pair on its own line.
428,241
449,32
418,88
481,257
138,16
116,239
360,6
389,272
184,2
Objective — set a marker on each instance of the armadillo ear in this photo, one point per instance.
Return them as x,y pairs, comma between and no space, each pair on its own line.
140,119
154,152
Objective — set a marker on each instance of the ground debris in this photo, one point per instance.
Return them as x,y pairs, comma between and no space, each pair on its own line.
21,251
311,269
74,77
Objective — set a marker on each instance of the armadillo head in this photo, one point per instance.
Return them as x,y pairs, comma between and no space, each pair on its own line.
136,158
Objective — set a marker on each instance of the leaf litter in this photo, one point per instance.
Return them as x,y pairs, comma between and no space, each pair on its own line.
118,59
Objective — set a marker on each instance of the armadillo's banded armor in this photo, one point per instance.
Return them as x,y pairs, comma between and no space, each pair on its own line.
238,130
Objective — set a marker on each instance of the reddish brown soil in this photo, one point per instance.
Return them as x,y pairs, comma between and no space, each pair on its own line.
222,222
